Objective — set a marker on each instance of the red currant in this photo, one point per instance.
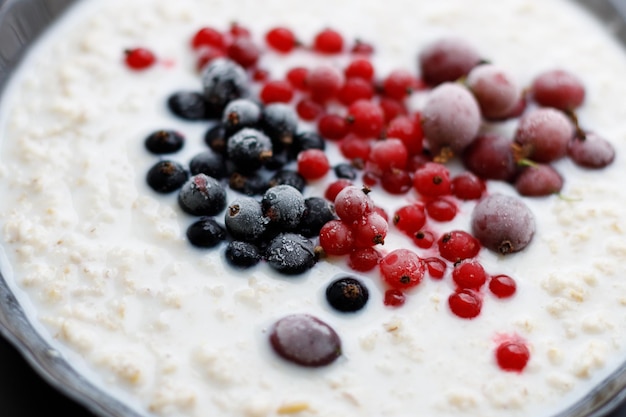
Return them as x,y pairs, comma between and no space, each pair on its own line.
432,180
281,39
467,186
352,204
324,83
402,269
436,267
372,230
388,154
465,303
396,181
469,274
355,89
502,286
336,238
363,48
424,239
399,84
335,187
276,91
313,164
441,209
512,356
394,298
354,148
207,55
366,118
244,52
410,219
139,58
308,109
360,67
409,132
364,259
458,245
208,37
332,127
328,41
391,108
297,77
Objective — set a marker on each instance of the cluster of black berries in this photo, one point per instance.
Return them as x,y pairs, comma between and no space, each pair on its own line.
249,148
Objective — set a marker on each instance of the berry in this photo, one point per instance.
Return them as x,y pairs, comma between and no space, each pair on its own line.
391,108
388,154
317,213
361,68
242,254
447,59
281,39
370,231
502,286
313,164
332,127
305,340
410,219
503,224
277,91
284,206
365,118
347,295
240,113
465,303
166,176
328,41
441,209
238,31
450,118
248,149
190,106
324,83
355,89
208,55
361,47
364,259
244,219
559,89
591,152
467,186
288,177
291,254
355,149
208,37
458,245
424,239
544,134
436,267
469,274
279,121
396,181
335,187
402,269
202,195
409,132
399,84
538,180
512,356
494,89
205,233
297,77
223,81
209,163
164,142
336,238
308,109
352,204
394,298
253,184
307,140
432,180
139,59
244,52
491,156
345,171
216,138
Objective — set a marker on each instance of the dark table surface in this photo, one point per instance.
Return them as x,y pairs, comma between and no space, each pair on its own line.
24,394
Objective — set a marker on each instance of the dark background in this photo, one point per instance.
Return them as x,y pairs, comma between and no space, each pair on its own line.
24,394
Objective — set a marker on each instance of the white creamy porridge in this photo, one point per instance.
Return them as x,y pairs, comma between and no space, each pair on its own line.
101,260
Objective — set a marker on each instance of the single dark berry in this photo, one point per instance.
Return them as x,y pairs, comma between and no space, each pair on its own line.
202,196
291,254
347,295
248,149
317,212
305,340
284,206
279,121
240,113
190,105
346,171
164,141
209,163
223,81
306,140
244,219
216,138
253,184
166,176
288,177
205,233
242,254
277,161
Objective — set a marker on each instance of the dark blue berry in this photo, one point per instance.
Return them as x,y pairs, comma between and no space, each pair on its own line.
318,211
248,149
306,140
190,105
209,163
244,219
346,171
277,161
284,206
252,184
223,81
166,176
291,254
216,138
202,195
240,113
288,177
347,295
305,340
205,233
242,254
164,141
279,121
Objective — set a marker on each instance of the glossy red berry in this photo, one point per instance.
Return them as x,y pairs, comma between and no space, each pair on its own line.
352,204
355,89
335,187
436,267
364,259
465,303
467,186
370,231
366,119
297,77
396,181
399,84
392,108
502,286
332,127
469,274
394,298
432,180
276,91
441,209
409,132
512,356
424,239
281,39
388,154
336,238
402,269
361,68
244,52
363,48
313,164
139,59
208,37
324,83
328,41
308,109
458,245
354,148
410,219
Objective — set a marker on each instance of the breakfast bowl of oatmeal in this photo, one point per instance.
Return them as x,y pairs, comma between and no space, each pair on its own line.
316,209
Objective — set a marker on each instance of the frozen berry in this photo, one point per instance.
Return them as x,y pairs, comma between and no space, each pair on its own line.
224,81
242,254
209,163
291,254
206,233
166,176
402,269
190,105
347,294
244,219
164,142
248,149
284,206
317,213
202,195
